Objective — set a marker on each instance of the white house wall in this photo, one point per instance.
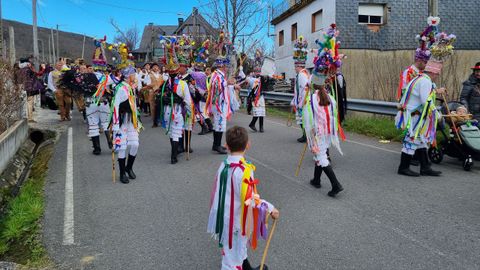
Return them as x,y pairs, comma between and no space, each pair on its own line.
283,54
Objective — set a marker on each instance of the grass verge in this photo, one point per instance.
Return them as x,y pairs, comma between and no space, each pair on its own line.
378,127
20,227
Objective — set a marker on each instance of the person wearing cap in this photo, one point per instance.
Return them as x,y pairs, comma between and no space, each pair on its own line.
470,96
153,83
63,96
257,85
301,86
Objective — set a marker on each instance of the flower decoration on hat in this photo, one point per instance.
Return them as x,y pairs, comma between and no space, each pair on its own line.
184,50
122,58
170,56
328,60
426,39
258,61
202,54
300,51
99,61
223,48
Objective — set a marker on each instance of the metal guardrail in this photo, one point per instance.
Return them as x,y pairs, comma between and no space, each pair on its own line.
358,105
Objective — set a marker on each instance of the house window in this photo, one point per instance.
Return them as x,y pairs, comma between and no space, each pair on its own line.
294,31
371,14
317,20
280,38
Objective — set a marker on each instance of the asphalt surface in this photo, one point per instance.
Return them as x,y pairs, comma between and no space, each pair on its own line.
158,221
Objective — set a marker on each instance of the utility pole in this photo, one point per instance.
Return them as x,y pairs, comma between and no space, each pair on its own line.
58,47
83,46
49,50
11,39
433,8
54,54
1,32
35,34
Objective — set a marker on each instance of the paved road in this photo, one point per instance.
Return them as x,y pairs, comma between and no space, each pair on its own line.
381,221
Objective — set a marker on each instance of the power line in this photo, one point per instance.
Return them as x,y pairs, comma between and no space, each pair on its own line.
130,8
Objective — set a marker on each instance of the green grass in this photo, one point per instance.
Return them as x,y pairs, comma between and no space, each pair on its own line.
20,227
378,127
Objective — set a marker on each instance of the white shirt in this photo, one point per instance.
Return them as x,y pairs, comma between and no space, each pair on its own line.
50,83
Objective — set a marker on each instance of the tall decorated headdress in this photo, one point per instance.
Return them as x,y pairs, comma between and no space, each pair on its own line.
122,58
426,39
258,61
184,48
441,49
201,55
99,61
170,56
328,59
223,49
300,51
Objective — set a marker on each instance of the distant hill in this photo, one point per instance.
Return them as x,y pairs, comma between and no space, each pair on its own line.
70,43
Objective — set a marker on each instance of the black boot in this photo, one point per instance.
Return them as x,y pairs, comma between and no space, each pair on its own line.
209,125
302,139
121,166
188,141
261,124
425,168
404,168
252,124
316,177
109,139
181,149
336,187
246,266
415,161
84,114
217,141
129,168
174,154
96,145
204,129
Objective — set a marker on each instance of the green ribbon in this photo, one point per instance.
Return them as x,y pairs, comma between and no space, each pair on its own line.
222,190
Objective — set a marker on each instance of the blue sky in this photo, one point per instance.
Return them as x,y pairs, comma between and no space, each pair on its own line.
91,17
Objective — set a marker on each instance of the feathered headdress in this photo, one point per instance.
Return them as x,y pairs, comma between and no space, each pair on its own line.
122,58
258,61
202,54
327,60
184,50
223,48
300,51
426,39
170,56
99,61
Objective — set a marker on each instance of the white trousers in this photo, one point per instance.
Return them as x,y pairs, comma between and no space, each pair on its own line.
176,125
127,135
233,258
97,116
219,118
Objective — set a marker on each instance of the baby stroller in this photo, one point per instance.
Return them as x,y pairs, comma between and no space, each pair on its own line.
462,140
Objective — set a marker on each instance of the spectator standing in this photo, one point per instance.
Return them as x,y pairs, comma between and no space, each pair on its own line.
470,96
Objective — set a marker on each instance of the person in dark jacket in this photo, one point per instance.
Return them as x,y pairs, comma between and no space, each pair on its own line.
470,96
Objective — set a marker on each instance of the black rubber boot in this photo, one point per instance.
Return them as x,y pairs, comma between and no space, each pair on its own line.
336,187
109,139
204,129
302,139
129,168
415,161
209,125
96,145
252,124
174,152
181,149
261,124
121,166
404,168
188,141
84,114
425,168
316,177
246,266
217,141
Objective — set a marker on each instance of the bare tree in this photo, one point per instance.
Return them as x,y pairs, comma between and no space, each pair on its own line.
129,36
245,17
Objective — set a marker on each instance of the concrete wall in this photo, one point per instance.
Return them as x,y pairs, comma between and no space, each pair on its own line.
303,18
10,142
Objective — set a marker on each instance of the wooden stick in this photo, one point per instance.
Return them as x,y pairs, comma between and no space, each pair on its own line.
301,160
290,118
189,133
453,120
265,251
113,155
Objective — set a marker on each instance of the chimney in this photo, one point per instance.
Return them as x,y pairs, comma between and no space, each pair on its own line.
195,11
180,21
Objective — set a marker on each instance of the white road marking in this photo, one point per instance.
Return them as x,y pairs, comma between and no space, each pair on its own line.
68,224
